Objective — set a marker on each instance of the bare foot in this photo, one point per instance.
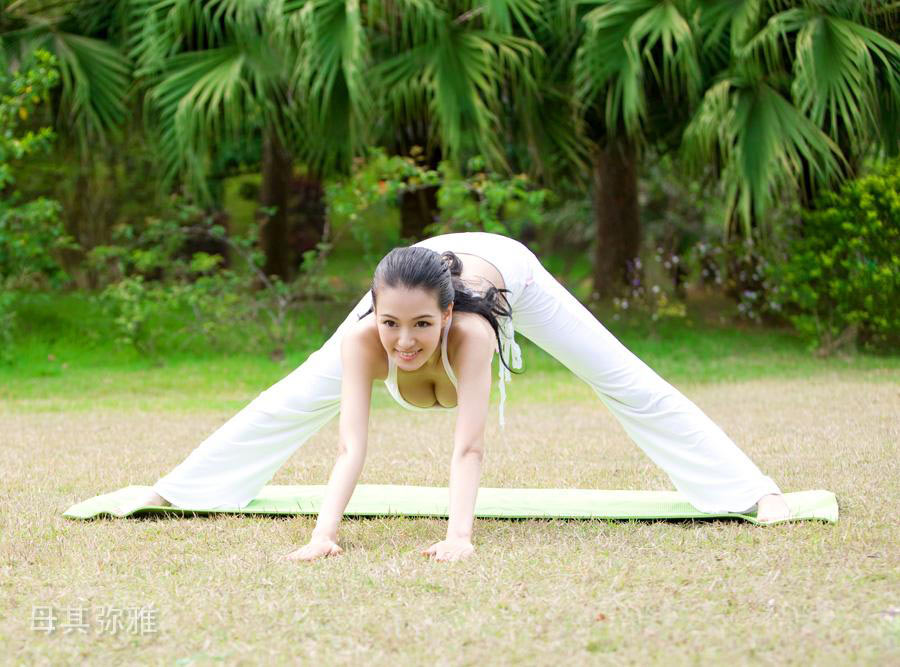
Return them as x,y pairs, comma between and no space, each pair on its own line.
771,508
153,498
149,498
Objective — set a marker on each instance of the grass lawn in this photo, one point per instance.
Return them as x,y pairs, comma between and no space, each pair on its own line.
545,592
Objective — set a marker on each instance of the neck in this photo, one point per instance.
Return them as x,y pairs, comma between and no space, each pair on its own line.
435,359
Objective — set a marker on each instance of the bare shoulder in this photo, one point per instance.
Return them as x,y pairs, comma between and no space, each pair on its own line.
471,333
361,345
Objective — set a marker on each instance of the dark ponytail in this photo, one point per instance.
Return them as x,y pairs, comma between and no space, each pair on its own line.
417,267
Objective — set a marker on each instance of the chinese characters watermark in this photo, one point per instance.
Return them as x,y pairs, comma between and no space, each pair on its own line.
104,619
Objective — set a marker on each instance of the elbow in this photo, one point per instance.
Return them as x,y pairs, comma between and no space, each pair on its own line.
471,446
351,450
471,451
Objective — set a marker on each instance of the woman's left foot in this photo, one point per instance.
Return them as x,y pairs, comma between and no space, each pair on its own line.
772,507
147,499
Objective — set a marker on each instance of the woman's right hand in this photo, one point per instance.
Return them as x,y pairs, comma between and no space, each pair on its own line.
318,547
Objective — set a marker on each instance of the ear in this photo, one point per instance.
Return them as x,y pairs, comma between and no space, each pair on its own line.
445,317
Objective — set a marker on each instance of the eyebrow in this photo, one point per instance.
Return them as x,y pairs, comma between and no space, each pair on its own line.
418,317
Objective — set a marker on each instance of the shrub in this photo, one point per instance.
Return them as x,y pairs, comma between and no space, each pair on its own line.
149,281
30,231
476,200
840,281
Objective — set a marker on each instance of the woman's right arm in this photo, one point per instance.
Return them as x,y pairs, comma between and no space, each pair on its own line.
358,362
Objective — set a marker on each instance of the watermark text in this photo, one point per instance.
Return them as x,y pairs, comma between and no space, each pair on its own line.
106,619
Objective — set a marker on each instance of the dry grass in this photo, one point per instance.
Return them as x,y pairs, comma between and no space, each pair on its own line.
579,592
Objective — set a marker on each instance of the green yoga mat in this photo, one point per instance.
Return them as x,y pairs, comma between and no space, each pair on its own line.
395,500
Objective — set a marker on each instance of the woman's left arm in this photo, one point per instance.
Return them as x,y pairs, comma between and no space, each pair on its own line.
473,373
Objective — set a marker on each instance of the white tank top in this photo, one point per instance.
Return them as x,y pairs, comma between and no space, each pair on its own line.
391,381
512,352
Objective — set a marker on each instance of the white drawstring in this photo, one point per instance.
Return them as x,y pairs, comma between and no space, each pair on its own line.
513,354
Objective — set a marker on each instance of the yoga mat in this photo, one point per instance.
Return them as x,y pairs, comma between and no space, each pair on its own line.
396,500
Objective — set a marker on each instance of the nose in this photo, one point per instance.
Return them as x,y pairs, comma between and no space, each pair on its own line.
406,341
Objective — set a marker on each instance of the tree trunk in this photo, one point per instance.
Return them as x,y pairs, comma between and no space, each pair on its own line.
617,216
276,176
418,209
306,216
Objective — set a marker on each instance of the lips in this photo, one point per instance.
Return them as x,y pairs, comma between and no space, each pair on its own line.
407,357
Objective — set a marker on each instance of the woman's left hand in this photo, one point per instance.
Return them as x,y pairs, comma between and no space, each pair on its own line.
450,549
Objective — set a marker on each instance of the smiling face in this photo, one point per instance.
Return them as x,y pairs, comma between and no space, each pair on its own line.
410,321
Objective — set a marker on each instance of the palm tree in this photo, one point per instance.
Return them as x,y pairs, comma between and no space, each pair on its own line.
766,90
635,62
219,72
319,80
810,89
450,77
776,94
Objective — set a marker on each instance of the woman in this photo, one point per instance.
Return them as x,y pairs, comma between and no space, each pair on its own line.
429,327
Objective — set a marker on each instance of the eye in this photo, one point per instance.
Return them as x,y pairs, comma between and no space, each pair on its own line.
390,323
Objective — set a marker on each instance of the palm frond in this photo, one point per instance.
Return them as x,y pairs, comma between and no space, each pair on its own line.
665,25
330,78
95,79
626,43
554,135
457,80
727,26
762,142
505,15
203,97
152,39
838,66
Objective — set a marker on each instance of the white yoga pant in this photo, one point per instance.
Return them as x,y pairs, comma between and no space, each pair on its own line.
231,466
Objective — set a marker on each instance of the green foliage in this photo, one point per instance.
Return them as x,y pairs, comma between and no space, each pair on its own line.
777,95
486,201
840,280
130,303
149,278
377,181
20,93
480,201
7,321
30,231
